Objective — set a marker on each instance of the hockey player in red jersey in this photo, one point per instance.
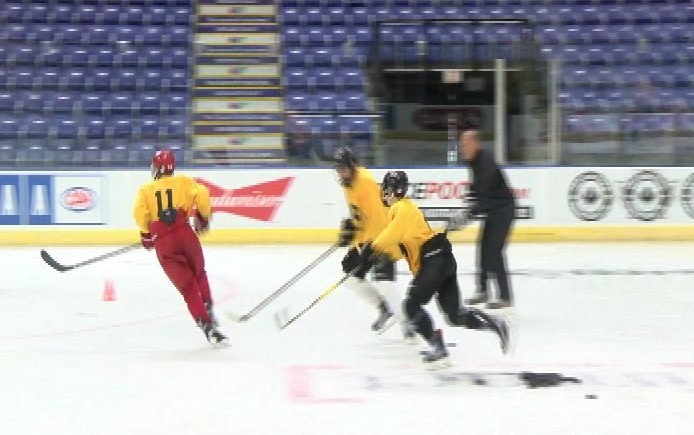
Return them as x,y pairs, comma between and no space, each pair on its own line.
161,211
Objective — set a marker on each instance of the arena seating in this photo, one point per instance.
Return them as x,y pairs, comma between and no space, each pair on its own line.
626,64
93,82
106,81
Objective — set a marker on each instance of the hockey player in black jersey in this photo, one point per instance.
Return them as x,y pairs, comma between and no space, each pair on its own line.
430,257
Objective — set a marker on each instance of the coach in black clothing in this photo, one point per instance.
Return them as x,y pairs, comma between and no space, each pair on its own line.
494,203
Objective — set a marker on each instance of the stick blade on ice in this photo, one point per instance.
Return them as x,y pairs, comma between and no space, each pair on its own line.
51,262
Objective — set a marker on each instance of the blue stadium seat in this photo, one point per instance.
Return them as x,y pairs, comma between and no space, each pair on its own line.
324,78
12,13
176,35
102,57
291,17
128,58
77,35
326,131
177,57
316,36
85,14
336,15
119,128
356,126
95,128
323,57
158,16
313,16
175,127
111,15
351,78
46,78
292,36
326,101
175,102
93,103
9,128
649,122
124,79
127,35
155,35
100,79
74,78
175,79
361,17
31,102
35,128
64,128
297,124
338,36
149,128
353,101
133,15
7,101
61,14
62,102
182,17
297,101
363,36
152,79
296,57
296,78
592,124
119,103
148,103
26,78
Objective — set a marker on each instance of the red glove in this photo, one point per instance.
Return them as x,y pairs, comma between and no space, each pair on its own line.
147,240
200,224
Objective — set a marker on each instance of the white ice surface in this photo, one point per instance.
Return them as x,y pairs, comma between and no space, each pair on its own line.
619,316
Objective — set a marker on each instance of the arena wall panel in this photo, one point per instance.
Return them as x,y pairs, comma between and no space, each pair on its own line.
306,205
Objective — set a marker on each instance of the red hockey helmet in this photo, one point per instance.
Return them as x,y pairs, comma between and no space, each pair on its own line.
163,163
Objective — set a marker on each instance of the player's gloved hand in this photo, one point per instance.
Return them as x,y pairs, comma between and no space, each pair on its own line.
458,221
147,240
347,231
200,224
351,260
475,211
369,256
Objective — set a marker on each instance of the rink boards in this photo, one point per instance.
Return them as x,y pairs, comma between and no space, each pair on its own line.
306,205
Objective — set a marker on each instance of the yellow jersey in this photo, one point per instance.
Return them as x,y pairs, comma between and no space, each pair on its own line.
365,205
177,191
405,234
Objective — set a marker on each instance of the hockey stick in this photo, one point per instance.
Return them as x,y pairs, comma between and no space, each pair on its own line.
281,324
262,304
64,268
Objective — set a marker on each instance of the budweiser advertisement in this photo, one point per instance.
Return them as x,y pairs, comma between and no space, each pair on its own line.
258,201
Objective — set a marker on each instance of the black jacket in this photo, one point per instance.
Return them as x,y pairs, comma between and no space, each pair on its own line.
489,189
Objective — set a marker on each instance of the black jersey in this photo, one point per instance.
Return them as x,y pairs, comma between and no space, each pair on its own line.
489,186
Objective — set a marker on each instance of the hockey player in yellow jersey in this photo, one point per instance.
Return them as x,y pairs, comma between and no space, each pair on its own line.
161,211
368,220
430,257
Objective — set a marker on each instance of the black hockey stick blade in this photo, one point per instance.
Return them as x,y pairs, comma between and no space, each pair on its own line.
54,264
64,268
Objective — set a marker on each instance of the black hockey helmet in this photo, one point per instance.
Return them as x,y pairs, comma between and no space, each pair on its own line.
394,183
345,158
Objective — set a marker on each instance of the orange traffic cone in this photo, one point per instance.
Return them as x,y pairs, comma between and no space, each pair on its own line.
109,292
